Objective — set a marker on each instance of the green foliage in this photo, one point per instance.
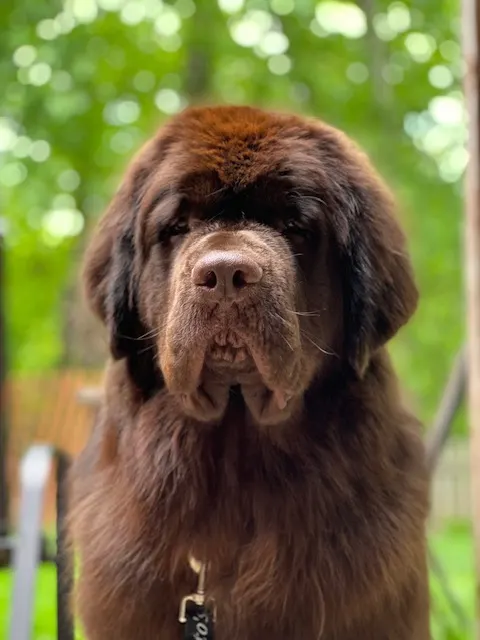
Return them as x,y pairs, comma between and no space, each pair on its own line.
86,81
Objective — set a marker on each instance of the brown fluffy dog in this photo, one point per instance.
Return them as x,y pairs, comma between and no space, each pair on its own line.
250,271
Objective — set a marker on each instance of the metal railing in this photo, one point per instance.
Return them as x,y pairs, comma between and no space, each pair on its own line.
35,470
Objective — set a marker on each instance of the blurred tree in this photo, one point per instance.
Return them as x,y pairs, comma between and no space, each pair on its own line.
86,81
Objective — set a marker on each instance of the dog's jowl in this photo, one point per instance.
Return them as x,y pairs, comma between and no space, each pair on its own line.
249,272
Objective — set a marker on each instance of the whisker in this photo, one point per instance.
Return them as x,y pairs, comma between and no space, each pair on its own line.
146,336
150,347
217,215
327,353
215,193
287,342
153,333
313,314
279,317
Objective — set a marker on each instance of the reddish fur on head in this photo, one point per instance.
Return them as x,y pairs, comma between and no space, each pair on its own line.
250,271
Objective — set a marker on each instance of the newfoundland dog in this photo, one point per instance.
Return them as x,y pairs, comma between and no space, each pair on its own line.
249,271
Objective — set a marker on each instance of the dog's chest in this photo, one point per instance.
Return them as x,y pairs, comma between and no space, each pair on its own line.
250,512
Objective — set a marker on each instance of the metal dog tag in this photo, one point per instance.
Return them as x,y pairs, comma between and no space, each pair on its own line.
195,613
199,623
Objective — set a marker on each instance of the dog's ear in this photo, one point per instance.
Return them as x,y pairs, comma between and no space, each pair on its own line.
113,263
110,272
378,284
378,287
123,320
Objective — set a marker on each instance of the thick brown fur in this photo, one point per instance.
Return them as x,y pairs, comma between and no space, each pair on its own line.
264,435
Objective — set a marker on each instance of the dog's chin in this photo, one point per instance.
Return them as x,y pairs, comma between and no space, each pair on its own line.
229,360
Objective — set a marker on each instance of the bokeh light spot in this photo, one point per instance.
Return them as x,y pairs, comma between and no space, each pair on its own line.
47,29
22,147
121,112
133,12
144,81
274,43
25,55
357,72
398,17
453,164
171,43
69,180
185,8
84,10
112,5
64,201
8,136
440,77
230,6
249,30
344,18
383,28
168,22
447,110
63,223
40,151
300,92
122,142
280,65
420,46
282,7
13,174
450,50
62,81
392,73
169,101
39,74
65,22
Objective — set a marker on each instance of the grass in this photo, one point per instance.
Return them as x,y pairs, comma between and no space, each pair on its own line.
453,546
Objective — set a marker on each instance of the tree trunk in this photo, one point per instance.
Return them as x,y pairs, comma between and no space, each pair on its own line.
471,39
200,42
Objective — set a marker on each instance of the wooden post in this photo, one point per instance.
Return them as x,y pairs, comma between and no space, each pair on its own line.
471,39
4,503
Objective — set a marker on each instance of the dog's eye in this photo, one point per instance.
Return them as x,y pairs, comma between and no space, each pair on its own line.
294,229
179,229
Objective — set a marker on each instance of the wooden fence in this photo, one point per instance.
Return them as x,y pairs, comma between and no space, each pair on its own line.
47,409
451,485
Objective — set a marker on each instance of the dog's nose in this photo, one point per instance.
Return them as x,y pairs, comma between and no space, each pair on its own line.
226,274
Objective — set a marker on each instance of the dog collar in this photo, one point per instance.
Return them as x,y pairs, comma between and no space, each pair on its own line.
198,614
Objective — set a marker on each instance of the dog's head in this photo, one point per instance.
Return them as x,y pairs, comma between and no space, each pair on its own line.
251,250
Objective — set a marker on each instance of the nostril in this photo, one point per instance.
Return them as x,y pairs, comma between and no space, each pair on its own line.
239,280
210,280
226,275
249,273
